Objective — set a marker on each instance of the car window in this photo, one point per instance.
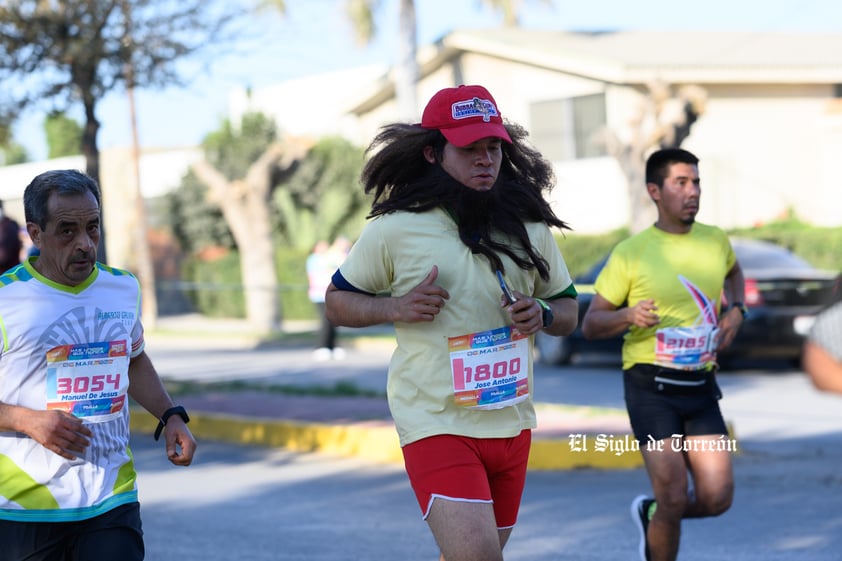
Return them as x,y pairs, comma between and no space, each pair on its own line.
758,255
589,277
751,254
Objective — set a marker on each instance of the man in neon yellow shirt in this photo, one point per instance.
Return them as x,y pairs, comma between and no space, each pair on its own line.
458,198
663,286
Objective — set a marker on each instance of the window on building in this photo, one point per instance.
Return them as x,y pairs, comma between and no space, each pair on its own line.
564,129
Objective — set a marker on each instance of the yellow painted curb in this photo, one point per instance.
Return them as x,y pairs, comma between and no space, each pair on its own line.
372,441
378,441
556,454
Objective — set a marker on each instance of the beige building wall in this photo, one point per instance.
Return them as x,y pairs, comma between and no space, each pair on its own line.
764,151
765,148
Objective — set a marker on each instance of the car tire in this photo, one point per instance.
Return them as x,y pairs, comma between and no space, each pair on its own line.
553,350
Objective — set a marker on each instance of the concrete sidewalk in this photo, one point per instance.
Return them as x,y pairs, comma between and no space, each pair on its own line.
567,437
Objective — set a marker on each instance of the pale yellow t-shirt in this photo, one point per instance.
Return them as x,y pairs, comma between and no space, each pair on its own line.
393,255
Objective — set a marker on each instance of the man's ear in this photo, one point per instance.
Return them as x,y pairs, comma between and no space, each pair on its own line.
654,191
34,232
429,154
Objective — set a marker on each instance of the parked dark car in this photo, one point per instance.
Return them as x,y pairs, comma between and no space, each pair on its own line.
782,291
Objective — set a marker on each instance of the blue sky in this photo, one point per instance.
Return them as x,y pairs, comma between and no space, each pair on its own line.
314,37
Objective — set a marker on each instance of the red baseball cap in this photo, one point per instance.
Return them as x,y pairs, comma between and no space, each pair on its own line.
464,115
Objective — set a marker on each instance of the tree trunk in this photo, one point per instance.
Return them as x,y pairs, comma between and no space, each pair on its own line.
406,72
91,152
245,206
259,274
143,259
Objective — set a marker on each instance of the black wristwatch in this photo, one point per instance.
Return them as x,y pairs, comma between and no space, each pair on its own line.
177,410
546,313
742,307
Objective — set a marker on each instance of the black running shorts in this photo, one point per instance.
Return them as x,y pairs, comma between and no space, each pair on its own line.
663,402
113,536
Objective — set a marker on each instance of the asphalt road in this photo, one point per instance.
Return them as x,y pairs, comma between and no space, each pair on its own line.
252,503
237,502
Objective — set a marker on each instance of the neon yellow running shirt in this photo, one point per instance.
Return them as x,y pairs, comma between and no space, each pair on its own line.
684,274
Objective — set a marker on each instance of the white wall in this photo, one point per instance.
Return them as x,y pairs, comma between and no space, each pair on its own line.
825,206
14,179
765,150
591,195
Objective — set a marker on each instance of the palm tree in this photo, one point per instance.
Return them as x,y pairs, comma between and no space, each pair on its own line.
361,15
406,70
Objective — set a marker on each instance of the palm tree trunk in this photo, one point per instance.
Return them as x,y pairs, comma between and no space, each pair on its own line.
406,72
145,268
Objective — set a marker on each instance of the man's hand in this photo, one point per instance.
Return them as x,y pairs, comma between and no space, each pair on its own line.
643,314
526,313
180,442
59,432
424,302
729,324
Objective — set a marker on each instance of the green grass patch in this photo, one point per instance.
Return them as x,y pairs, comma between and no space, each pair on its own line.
581,410
339,389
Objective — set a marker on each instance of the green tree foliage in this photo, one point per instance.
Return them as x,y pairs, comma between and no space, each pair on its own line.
322,199
63,53
582,251
217,288
819,246
13,153
64,135
319,197
232,149
239,168
10,151
196,223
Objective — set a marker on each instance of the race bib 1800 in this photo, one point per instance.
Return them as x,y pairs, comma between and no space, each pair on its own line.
490,368
88,380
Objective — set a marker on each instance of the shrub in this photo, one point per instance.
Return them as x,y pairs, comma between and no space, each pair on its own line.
819,246
217,291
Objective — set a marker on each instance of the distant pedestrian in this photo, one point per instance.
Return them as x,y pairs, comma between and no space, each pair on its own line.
10,241
322,262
